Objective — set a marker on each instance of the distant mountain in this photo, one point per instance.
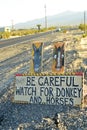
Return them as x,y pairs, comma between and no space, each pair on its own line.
65,18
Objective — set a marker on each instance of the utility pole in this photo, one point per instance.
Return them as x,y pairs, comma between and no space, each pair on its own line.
12,25
45,17
84,22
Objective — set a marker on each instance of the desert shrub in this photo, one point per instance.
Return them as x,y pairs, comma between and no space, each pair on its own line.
6,35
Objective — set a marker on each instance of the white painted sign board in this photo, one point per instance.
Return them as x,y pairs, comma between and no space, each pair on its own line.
52,90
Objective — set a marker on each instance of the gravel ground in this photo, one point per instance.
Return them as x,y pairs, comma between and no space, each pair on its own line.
39,117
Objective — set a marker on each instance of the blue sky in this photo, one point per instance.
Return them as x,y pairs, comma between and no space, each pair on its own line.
18,11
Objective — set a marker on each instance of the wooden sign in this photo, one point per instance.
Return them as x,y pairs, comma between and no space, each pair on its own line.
58,58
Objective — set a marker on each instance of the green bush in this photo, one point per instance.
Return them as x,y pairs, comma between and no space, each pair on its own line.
84,35
82,27
6,35
23,32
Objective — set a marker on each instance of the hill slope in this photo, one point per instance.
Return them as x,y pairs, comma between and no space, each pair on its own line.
65,18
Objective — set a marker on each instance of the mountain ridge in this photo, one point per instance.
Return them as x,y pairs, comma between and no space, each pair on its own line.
64,18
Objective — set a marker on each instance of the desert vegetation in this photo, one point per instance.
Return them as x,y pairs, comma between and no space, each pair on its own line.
24,32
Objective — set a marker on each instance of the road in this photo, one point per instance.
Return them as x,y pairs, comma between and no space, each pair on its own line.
18,40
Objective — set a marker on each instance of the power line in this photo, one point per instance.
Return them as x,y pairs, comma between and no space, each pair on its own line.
12,24
84,22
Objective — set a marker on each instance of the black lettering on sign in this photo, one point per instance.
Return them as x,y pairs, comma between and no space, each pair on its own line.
66,101
46,91
62,101
62,79
20,91
71,101
46,81
40,81
69,92
57,81
79,92
74,84
50,100
59,101
31,91
68,81
30,81
58,92
52,81
35,100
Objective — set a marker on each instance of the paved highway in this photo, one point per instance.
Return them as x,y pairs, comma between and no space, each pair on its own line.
13,41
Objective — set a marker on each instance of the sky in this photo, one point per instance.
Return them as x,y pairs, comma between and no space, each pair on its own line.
19,11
